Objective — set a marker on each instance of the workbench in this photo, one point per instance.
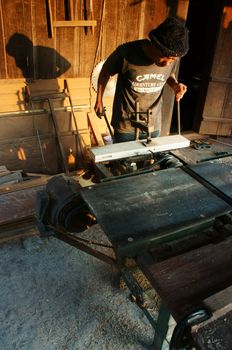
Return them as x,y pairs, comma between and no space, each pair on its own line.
176,225
139,214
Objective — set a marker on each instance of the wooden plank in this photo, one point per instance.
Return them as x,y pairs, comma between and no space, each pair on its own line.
82,123
12,108
66,43
12,95
83,23
196,275
17,230
69,10
226,128
32,125
18,205
76,83
182,8
51,62
95,130
155,13
39,86
215,98
214,333
223,54
3,169
216,119
217,103
133,148
219,300
15,98
17,81
49,18
17,35
88,42
80,91
3,68
214,107
81,96
31,180
12,177
40,33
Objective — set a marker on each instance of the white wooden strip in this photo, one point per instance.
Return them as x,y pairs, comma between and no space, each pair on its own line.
135,148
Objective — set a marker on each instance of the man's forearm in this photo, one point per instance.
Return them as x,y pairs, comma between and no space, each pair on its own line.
172,81
102,82
178,88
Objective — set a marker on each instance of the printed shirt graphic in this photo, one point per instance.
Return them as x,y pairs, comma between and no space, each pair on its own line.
138,80
148,83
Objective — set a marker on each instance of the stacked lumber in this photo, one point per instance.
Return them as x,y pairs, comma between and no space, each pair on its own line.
12,95
17,215
9,177
27,137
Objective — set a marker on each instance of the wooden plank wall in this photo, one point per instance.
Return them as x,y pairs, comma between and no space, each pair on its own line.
71,52
28,141
217,114
24,30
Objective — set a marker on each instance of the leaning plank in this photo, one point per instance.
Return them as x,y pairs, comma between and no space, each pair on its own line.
93,123
135,148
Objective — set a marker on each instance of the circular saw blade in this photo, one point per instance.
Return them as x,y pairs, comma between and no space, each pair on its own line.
111,85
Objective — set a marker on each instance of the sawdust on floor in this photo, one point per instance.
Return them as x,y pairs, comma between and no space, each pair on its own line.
56,297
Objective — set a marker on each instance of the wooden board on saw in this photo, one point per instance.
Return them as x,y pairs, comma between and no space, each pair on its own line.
209,275
135,148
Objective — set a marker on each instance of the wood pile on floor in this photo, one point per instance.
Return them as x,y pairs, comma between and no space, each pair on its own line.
17,197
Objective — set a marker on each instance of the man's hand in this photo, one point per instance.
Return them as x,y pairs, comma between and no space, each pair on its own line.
179,90
98,108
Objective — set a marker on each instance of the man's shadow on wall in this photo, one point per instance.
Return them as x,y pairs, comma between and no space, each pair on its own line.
36,62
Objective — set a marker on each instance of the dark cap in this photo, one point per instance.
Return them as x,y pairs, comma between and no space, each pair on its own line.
171,38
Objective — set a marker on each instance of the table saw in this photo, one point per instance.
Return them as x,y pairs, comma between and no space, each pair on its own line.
175,223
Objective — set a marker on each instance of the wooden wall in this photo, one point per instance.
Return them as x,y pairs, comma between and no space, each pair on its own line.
24,28
217,113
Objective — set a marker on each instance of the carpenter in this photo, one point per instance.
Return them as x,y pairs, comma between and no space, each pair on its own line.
143,67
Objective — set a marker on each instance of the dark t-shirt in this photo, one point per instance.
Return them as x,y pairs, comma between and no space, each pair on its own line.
139,79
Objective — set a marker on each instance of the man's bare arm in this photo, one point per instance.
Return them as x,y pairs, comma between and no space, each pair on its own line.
102,82
178,88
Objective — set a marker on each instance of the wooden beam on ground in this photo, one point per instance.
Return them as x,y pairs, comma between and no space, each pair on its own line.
18,230
18,205
17,215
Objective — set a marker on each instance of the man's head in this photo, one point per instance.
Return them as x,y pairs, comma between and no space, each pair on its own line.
170,38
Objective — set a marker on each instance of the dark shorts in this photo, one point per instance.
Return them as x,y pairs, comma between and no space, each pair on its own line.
125,137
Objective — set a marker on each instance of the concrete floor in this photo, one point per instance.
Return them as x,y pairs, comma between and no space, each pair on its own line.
56,297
